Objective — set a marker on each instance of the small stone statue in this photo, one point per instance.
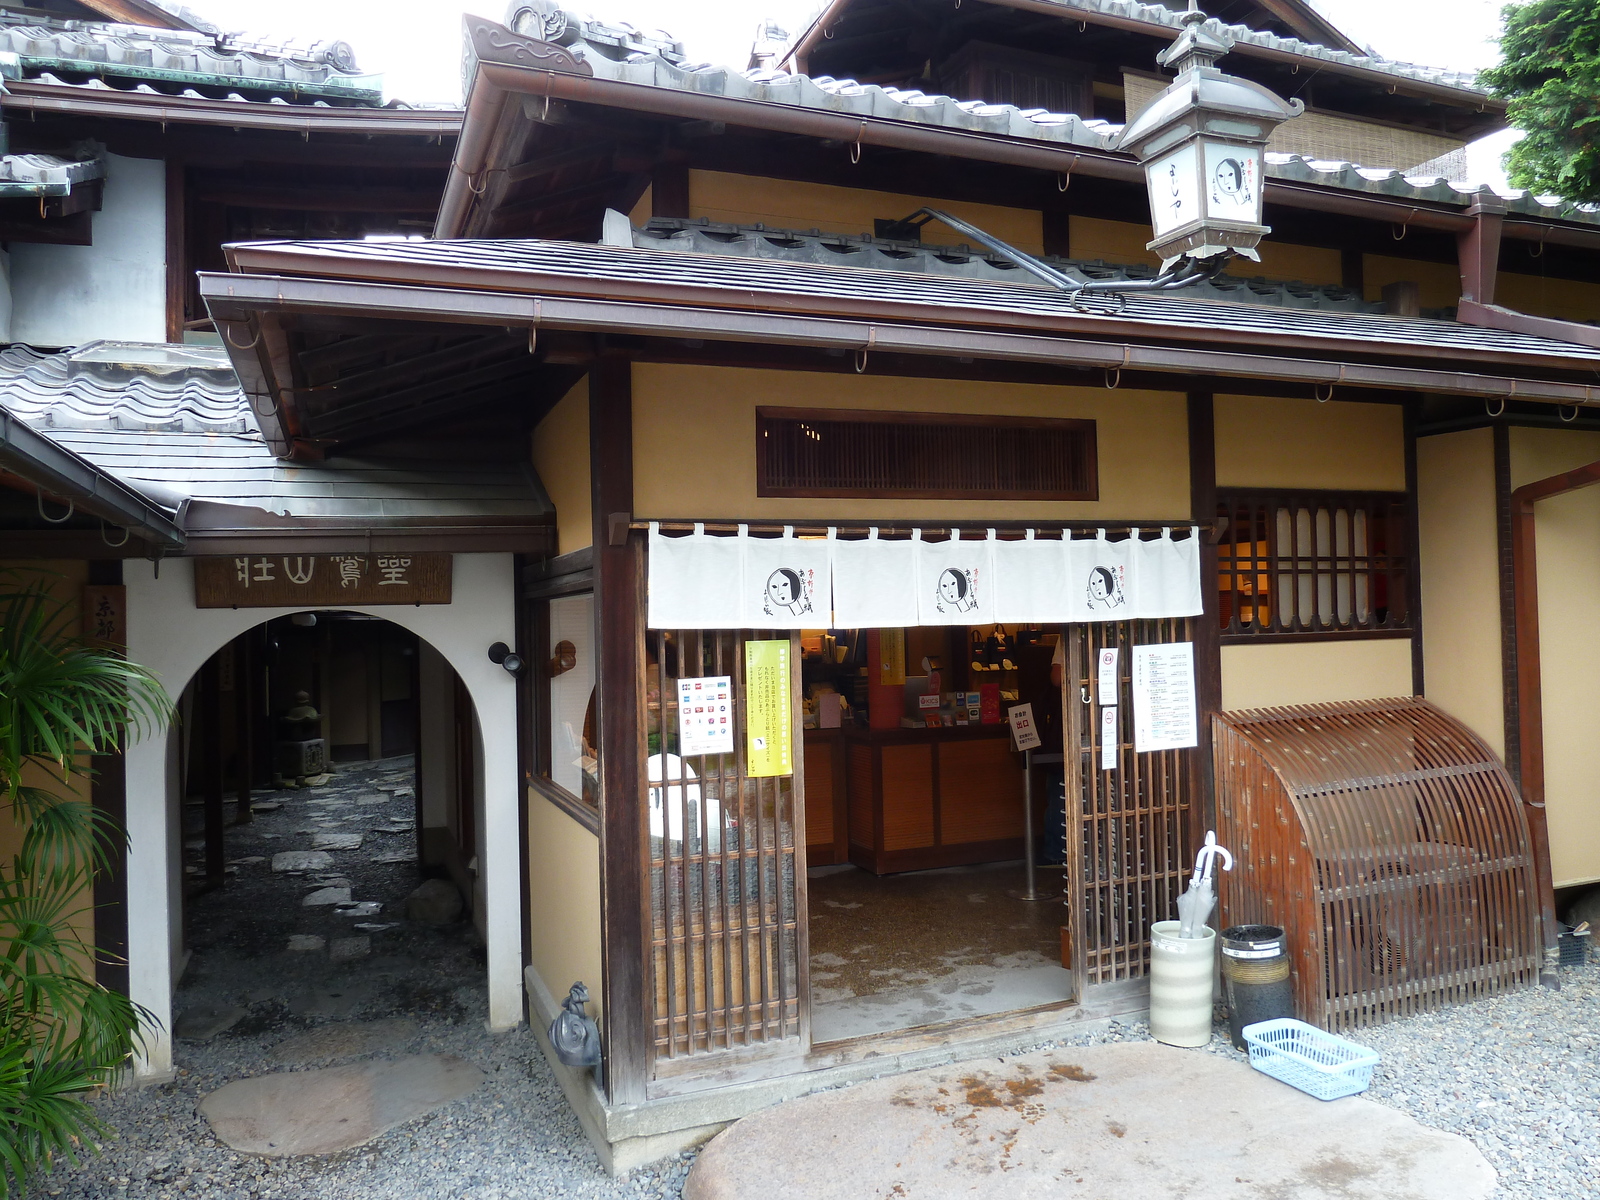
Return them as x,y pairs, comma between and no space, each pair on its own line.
574,1035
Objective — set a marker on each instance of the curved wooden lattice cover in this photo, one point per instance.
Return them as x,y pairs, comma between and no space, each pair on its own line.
1391,846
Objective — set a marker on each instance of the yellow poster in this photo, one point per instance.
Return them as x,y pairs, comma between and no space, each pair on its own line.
891,662
768,716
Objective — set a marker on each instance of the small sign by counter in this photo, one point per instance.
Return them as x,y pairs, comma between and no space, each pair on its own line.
321,580
1164,708
769,735
1024,733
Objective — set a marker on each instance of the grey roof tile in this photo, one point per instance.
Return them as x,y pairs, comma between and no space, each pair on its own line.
174,416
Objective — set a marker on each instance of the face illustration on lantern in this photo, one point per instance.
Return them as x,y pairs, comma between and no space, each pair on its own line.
955,591
786,593
1104,589
1230,184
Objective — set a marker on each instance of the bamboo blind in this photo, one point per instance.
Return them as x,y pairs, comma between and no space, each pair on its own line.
1391,846
727,876
1131,821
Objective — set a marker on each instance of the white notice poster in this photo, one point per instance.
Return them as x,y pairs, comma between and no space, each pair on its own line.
1108,738
1024,733
705,716
1164,715
1108,676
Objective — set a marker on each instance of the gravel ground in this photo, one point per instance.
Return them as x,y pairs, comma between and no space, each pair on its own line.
513,1137
1517,1075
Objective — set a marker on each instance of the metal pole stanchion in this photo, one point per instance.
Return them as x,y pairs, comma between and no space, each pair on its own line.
1030,890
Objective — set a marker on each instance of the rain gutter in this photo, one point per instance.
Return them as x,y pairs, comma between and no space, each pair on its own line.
73,479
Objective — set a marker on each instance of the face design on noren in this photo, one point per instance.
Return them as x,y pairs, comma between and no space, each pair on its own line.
956,591
785,592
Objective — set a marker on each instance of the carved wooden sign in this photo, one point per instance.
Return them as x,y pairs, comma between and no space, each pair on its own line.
321,580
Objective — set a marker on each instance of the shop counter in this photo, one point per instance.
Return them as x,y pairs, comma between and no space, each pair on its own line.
914,799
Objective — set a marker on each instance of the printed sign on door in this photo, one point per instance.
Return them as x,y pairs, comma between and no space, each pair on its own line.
705,715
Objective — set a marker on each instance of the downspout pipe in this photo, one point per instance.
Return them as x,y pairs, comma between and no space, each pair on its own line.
1530,699
72,478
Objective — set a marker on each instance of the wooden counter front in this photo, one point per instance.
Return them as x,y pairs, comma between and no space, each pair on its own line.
915,798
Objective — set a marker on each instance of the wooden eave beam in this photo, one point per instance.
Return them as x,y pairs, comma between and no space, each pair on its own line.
411,405
1530,695
968,334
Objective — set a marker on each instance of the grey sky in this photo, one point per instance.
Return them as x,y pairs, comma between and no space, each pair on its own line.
415,43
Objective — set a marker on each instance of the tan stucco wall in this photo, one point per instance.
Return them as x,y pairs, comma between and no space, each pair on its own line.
564,901
1315,672
64,579
1568,533
1438,284
694,443
1124,242
1563,299
789,204
1461,580
1268,442
561,458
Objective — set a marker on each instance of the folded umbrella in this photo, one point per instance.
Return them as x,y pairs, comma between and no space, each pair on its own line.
1195,905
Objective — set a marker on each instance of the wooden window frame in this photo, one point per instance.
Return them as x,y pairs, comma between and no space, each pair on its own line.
1085,427
537,733
1398,559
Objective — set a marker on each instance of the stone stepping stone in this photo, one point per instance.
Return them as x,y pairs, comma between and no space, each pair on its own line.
347,948
266,806
326,896
1136,1119
361,908
394,828
301,942
302,860
347,1039
336,841
396,856
334,1003
252,858
372,798
206,1021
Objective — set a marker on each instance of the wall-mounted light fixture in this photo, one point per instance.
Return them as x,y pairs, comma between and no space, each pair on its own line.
502,654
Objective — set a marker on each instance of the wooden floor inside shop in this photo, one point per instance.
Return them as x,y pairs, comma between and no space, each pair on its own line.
893,952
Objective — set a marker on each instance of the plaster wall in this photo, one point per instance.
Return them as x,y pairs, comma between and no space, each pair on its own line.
114,288
1279,673
563,901
561,458
1125,241
1265,441
1461,580
1568,534
789,204
688,420
173,638
437,717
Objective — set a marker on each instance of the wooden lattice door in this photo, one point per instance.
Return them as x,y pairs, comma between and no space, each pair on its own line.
726,887
1128,841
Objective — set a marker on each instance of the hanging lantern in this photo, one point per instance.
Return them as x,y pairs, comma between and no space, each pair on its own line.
1203,145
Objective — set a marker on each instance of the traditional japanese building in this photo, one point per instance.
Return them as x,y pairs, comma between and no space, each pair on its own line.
679,328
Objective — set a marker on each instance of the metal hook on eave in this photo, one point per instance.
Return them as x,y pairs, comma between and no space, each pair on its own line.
855,149
229,337
861,354
1495,412
1318,393
72,507
126,534
1064,178
1572,418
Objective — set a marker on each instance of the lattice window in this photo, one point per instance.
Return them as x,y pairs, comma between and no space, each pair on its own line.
1312,563
897,455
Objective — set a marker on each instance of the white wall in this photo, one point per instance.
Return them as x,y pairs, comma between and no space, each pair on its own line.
115,288
437,718
170,636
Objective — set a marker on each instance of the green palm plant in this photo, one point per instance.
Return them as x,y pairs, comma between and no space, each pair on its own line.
62,1035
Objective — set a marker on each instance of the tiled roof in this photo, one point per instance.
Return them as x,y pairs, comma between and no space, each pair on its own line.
178,62
48,174
532,267
652,69
700,236
174,417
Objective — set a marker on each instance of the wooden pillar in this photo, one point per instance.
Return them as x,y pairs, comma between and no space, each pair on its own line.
244,726
669,189
1508,601
108,794
210,706
177,249
624,847
1208,630
1478,249
1413,410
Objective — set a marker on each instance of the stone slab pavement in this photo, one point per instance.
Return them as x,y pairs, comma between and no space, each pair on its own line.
1096,1123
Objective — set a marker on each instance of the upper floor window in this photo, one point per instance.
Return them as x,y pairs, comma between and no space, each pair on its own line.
1304,564
923,456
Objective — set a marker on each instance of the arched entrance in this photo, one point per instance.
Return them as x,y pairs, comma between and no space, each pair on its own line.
169,635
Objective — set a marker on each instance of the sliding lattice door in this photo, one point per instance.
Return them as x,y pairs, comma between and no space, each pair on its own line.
726,869
1128,824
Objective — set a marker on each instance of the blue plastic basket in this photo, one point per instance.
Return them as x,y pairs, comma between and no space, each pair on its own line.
1302,1056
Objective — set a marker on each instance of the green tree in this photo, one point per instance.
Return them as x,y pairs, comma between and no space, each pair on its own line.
1549,74
62,699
